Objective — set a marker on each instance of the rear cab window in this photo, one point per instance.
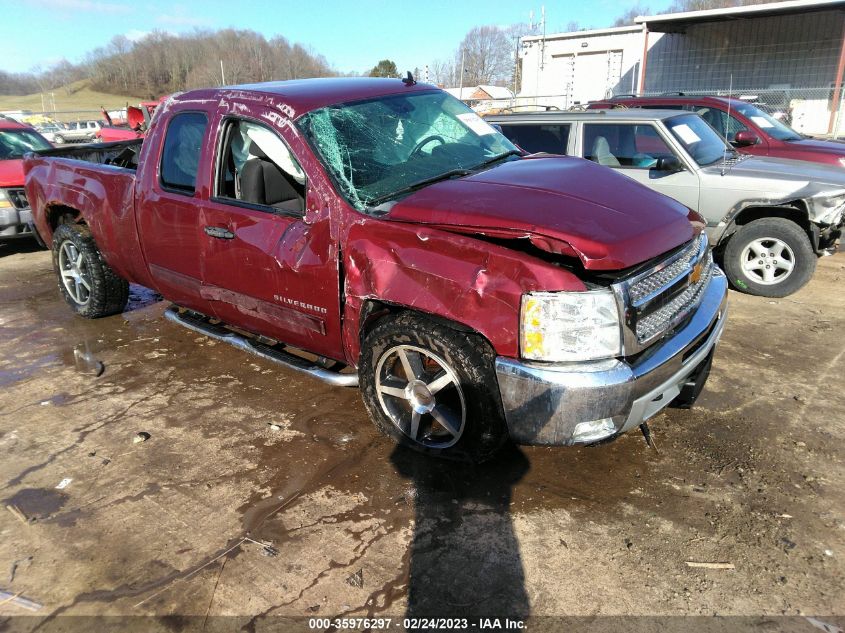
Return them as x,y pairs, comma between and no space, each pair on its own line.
180,155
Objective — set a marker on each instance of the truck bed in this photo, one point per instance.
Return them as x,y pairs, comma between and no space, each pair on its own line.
119,154
96,183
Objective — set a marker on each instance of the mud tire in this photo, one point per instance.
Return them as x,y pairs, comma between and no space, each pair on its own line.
471,359
109,292
773,228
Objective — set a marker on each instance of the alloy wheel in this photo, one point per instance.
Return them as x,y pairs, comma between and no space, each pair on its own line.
421,395
74,272
767,261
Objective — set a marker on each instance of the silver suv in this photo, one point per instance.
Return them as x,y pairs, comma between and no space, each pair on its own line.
768,218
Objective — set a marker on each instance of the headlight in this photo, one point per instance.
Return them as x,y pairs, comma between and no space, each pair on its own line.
5,203
842,161
570,326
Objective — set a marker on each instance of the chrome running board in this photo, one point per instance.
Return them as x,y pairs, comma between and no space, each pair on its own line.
202,325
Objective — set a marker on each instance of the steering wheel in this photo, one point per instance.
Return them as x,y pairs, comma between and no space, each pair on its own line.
428,139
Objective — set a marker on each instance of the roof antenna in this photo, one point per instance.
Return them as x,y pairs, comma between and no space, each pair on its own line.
727,124
409,80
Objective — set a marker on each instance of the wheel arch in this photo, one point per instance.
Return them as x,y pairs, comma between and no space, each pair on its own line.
794,211
373,311
57,214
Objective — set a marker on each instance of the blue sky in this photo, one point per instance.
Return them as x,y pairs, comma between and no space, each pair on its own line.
351,35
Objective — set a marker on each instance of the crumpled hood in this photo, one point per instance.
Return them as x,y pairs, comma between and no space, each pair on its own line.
11,173
563,205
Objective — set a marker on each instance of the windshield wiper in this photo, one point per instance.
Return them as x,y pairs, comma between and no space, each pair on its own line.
419,185
498,157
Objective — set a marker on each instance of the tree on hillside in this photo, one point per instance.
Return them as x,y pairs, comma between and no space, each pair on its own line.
385,68
487,54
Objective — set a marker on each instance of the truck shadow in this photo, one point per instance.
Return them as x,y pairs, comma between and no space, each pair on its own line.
18,246
464,560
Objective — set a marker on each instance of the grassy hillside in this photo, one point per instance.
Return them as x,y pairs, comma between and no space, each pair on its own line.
82,98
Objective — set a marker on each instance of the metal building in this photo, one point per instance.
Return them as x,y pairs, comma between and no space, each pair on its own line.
787,54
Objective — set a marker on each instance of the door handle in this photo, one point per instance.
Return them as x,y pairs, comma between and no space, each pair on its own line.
219,232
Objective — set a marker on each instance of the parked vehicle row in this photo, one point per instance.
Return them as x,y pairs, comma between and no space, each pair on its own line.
377,232
768,218
745,125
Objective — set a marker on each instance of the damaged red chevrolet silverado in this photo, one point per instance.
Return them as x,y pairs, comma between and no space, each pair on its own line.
378,232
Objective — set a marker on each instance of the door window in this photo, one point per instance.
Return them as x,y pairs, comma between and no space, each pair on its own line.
625,145
181,154
726,126
257,167
535,138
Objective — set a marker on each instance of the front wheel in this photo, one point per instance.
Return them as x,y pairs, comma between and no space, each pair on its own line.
86,281
769,257
58,140
432,388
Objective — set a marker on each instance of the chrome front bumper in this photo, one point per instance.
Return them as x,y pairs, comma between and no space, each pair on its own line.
545,402
15,222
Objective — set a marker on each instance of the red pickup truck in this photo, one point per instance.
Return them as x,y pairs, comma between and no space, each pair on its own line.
377,232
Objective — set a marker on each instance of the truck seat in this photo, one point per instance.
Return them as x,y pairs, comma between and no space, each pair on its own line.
601,153
262,182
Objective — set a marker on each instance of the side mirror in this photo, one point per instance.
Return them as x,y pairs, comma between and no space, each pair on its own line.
670,164
745,138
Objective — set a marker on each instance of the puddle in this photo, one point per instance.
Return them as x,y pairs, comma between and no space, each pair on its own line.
37,503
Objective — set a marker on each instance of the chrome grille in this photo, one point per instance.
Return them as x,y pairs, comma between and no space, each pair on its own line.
652,284
659,299
661,319
18,198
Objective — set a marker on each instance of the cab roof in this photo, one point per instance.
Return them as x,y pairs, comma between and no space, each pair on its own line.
304,95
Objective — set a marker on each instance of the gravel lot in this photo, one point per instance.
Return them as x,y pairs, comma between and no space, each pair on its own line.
263,493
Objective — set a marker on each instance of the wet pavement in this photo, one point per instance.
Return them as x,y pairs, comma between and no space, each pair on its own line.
262,493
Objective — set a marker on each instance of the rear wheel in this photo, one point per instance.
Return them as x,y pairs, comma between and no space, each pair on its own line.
432,388
769,257
86,281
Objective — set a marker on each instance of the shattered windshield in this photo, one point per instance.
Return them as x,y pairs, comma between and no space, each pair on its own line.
381,148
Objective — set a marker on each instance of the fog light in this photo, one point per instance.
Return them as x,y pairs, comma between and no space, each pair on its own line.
593,431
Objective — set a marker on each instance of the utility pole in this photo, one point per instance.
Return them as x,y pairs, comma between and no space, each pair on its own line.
222,76
461,89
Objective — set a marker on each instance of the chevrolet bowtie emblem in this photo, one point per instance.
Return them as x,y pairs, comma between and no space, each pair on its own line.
695,275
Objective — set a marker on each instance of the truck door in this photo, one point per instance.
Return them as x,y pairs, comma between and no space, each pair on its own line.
633,149
169,209
271,267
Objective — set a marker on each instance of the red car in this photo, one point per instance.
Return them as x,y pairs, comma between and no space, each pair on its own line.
16,139
746,126
379,233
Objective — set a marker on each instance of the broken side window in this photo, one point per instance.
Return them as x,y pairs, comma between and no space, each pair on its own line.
257,167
